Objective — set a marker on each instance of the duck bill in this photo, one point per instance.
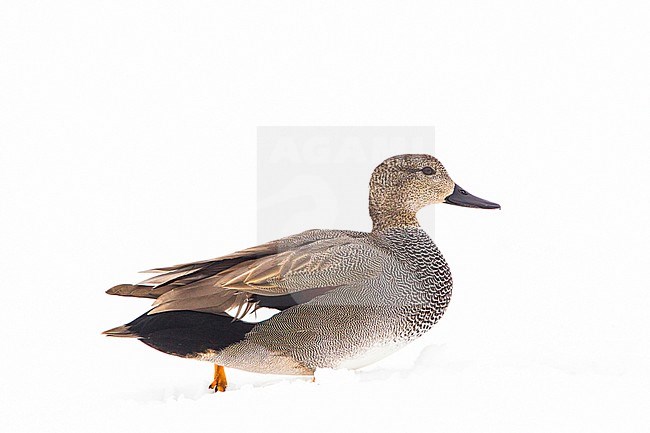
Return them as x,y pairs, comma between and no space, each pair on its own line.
460,197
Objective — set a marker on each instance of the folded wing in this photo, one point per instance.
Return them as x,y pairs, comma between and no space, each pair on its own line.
283,272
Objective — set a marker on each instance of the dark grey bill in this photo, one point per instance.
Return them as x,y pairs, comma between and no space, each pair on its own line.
460,197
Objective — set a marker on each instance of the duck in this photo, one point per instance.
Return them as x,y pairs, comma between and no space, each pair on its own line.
342,299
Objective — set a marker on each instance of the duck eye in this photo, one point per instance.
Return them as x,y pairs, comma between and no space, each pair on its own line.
428,171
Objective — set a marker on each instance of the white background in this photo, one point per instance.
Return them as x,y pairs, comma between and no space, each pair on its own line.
128,141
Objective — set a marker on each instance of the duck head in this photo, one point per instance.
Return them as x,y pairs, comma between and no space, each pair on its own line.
403,184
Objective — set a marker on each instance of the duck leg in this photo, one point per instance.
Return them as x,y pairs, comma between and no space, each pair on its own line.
219,383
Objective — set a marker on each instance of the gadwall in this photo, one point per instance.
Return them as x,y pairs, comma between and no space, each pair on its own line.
344,298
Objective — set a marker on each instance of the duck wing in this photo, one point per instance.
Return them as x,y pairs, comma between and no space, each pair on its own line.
279,274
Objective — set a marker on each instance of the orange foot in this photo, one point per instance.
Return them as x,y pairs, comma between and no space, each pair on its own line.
219,383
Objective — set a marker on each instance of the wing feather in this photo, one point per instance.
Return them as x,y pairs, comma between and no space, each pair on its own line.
310,260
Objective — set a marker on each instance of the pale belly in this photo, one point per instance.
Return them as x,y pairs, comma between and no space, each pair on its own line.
370,356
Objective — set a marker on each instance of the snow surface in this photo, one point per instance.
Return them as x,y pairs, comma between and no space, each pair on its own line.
127,141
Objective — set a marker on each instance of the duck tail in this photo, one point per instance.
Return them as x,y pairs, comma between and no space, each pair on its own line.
184,333
120,331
